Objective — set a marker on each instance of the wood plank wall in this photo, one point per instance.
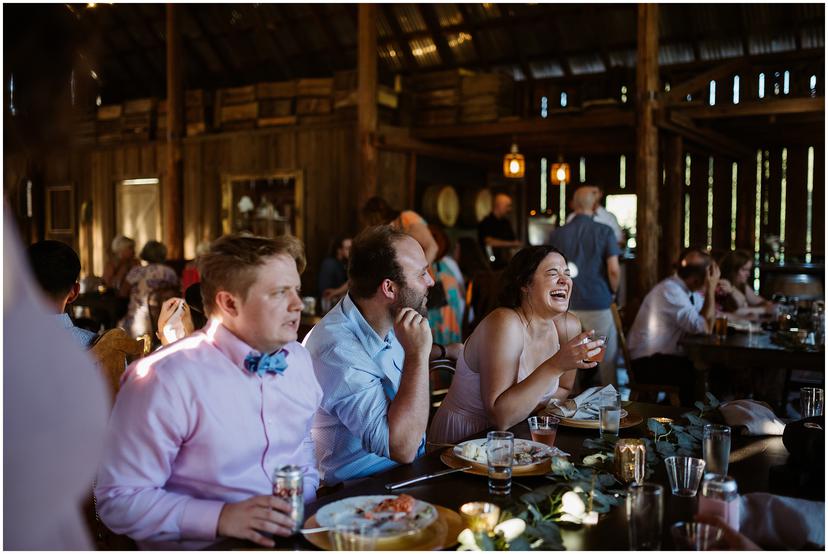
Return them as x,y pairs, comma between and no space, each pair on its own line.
326,155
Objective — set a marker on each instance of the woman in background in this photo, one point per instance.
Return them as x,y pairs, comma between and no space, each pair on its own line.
143,281
120,263
445,320
733,290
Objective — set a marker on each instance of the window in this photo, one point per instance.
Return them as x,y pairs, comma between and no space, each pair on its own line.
624,94
544,107
624,207
736,89
582,170
712,99
563,99
622,170
757,217
810,213
734,179
543,184
813,83
12,109
786,83
761,85
782,206
709,202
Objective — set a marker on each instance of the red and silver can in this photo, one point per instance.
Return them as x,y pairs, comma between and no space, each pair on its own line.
287,485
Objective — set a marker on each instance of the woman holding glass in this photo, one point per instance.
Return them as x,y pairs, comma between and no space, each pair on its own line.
521,355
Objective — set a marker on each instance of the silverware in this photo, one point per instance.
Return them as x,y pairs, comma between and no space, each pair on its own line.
314,530
393,486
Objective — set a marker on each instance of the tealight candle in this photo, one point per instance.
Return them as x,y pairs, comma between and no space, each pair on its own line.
630,460
480,517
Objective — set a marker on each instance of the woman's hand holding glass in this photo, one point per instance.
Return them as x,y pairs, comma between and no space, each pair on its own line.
573,353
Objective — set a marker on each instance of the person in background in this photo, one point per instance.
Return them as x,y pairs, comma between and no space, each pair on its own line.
371,354
189,275
593,253
445,320
55,407
140,282
174,322
200,426
376,211
120,263
495,233
736,295
601,215
57,268
521,355
333,273
672,309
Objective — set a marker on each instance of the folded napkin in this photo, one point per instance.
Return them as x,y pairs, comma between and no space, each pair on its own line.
756,418
583,406
782,523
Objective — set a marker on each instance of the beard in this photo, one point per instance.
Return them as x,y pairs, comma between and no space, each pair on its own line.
410,298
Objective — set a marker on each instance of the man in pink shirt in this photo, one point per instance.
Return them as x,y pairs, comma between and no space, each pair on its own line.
199,427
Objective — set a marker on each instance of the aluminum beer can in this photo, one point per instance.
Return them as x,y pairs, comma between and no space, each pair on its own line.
287,485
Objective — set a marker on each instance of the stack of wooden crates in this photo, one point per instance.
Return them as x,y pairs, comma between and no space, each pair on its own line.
460,96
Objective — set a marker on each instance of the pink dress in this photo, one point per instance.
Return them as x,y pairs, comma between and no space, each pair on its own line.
462,413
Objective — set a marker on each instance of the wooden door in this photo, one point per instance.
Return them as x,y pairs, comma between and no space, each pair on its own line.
139,212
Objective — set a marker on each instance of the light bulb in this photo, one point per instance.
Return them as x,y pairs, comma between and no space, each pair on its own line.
560,174
514,166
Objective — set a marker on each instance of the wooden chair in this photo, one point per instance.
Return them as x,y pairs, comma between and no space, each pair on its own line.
640,391
441,372
113,350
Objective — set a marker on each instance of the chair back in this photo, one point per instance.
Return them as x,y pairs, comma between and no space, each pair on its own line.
622,341
441,372
114,350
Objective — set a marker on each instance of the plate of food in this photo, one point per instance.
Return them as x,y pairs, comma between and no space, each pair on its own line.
527,453
393,516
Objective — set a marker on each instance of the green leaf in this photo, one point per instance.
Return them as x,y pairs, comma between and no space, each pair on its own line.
519,543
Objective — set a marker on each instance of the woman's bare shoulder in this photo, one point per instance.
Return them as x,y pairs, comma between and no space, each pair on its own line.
568,327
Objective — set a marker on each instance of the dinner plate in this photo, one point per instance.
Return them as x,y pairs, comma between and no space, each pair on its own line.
475,451
354,510
627,420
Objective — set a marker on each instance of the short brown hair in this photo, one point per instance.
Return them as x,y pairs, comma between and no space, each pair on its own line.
373,260
230,262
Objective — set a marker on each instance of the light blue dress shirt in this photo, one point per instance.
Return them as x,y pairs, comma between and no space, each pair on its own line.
82,336
359,372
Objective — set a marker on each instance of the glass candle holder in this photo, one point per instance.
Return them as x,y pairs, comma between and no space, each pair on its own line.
630,460
480,517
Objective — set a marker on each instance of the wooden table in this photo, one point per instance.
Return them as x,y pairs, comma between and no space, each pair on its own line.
755,471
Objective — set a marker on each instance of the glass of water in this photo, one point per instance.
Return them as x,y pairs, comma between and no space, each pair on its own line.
609,413
812,401
716,448
500,448
645,512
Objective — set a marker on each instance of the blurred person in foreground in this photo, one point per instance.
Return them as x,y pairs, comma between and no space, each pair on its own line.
521,355
682,304
200,426
55,408
57,268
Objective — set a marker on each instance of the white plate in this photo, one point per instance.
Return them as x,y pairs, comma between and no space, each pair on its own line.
348,510
539,451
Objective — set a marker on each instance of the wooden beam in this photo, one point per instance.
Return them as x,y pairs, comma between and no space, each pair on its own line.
646,167
437,33
408,61
395,142
572,121
678,92
367,101
173,183
672,220
764,107
712,140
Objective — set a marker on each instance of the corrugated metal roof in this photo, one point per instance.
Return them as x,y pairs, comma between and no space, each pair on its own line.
495,42
721,49
409,18
813,37
448,14
764,44
461,46
383,29
670,54
389,54
586,64
624,58
544,70
425,52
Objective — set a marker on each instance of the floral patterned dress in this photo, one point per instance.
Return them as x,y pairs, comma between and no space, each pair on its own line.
145,280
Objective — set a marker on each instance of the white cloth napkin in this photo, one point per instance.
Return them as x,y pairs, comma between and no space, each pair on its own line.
756,418
583,406
782,523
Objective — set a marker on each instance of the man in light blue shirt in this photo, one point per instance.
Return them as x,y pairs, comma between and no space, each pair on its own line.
370,354
57,268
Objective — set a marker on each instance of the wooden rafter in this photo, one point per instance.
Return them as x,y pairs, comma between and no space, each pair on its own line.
710,139
437,33
679,91
475,35
402,46
765,107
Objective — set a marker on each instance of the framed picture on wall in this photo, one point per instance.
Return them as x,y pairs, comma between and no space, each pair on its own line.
268,204
60,209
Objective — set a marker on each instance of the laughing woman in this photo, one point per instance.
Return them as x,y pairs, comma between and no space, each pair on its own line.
521,355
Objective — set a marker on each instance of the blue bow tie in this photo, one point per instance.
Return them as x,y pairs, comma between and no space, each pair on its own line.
266,363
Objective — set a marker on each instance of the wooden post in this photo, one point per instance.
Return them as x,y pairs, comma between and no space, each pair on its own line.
173,184
367,101
673,202
647,171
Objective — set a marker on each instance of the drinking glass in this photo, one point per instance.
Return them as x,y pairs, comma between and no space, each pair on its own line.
812,401
720,327
696,536
645,511
500,448
609,413
544,429
716,448
354,536
684,474
599,357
